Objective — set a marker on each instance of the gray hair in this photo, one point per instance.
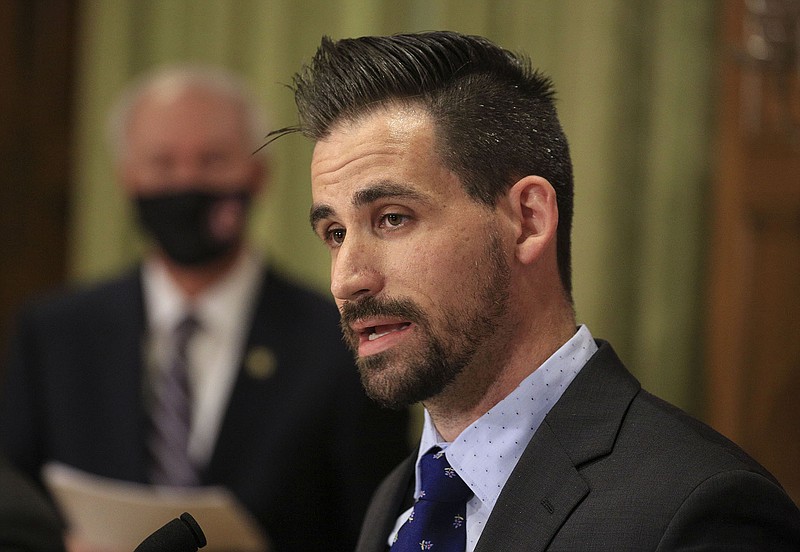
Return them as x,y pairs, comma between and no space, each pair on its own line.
216,80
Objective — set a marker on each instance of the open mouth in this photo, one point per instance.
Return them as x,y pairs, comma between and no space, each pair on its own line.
382,337
376,332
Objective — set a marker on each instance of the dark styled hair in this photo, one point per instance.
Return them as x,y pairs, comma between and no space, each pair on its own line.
494,116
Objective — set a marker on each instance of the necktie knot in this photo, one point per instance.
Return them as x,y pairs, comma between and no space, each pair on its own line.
185,329
439,481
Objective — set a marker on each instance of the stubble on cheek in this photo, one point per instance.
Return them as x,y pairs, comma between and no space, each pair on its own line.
443,343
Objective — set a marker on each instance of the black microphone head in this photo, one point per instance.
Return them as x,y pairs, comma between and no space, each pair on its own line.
179,535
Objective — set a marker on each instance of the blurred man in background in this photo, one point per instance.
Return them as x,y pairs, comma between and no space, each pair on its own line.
203,365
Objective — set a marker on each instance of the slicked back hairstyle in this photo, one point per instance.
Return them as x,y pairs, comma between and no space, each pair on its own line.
494,116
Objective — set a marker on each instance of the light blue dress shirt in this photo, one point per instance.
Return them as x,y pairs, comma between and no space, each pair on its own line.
485,453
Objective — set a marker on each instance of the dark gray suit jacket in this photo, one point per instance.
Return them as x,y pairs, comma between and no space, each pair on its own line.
614,468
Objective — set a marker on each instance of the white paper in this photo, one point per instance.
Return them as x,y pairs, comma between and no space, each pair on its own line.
120,514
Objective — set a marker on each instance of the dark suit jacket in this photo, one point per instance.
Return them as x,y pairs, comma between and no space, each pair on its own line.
613,468
302,449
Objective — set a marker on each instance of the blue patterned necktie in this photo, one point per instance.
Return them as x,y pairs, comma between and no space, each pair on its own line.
171,415
438,520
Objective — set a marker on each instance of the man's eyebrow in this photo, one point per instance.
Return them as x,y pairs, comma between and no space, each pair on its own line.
319,212
386,189
381,190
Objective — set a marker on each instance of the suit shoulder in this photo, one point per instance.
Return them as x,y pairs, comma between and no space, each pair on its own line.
712,490
84,301
301,299
677,466
676,480
639,428
681,435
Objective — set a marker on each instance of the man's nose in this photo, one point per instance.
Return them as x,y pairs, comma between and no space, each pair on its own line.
355,270
188,172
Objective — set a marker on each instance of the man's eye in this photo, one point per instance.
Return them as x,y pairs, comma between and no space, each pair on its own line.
214,159
393,219
335,236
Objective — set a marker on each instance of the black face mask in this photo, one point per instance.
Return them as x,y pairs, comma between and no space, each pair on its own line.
181,223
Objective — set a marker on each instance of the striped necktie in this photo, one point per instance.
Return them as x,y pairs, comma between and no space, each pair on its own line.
171,414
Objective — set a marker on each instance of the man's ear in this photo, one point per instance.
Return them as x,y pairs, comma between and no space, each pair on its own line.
535,211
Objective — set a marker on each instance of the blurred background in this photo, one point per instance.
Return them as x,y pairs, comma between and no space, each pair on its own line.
684,123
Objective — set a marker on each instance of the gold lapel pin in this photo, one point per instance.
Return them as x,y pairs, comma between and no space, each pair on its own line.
260,363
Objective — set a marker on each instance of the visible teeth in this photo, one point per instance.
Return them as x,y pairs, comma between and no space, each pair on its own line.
374,336
391,328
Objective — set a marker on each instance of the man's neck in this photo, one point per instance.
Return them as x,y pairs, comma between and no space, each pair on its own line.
491,378
194,280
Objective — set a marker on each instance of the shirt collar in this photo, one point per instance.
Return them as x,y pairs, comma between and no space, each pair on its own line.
220,305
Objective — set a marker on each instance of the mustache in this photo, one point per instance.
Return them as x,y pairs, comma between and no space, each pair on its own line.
351,311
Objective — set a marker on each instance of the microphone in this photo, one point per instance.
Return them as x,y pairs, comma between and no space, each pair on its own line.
182,534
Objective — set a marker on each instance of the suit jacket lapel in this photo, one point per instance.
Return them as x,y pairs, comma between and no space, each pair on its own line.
538,497
235,432
119,374
387,504
546,486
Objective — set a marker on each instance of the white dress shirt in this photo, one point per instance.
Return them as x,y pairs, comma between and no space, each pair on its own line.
224,312
485,453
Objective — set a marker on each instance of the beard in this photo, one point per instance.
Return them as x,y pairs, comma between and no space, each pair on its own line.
449,340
